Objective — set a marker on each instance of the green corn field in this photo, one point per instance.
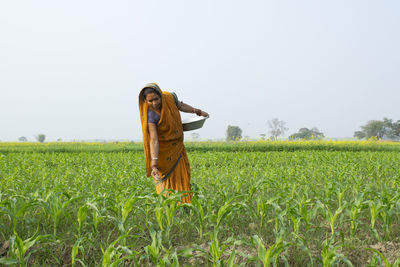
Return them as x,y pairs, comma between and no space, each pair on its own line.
254,204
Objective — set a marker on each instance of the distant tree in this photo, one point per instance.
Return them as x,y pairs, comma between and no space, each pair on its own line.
22,139
395,132
387,128
195,136
359,134
276,128
392,129
373,128
233,133
308,134
262,136
40,137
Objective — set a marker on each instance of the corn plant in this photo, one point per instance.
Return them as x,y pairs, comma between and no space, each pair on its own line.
165,213
55,204
263,208
157,252
333,216
15,208
330,256
270,255
375,208
216,250
75,250
96,215
197,206
355,212
114,254
303,209
20,250
381,258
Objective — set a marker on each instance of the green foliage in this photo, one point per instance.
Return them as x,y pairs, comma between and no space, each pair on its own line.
374,128
40,137
386,128
19,248
392,129
233,133
331,256
263,203
266,256
307,134
360,135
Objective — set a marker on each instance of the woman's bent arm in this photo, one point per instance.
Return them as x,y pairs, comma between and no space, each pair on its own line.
189,109
153,148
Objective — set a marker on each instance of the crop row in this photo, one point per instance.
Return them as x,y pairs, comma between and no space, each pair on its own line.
249,146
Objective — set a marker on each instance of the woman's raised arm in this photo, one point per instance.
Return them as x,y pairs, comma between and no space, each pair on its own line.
189,109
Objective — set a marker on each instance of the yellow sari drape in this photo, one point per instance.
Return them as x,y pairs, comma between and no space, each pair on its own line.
172,153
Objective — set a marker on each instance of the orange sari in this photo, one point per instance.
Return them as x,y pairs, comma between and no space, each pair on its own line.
173,163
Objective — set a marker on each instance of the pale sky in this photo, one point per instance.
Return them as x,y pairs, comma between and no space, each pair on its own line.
73,69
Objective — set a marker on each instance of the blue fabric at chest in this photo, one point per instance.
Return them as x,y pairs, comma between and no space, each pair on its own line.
152,117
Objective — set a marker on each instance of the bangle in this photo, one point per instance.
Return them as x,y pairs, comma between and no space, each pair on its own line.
154,158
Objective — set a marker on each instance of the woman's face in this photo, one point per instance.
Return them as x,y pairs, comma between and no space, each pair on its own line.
154,101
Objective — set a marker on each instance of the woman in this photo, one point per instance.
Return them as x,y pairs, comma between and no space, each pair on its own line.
165,154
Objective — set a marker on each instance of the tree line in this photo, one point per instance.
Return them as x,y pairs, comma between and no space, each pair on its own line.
385,129
40,138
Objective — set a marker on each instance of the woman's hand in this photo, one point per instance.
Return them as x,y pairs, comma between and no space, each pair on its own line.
204,114
199,112
154,172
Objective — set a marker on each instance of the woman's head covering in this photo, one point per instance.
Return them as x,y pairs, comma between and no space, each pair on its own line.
152,86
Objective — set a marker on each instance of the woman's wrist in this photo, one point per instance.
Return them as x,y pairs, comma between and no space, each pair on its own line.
154,162
197,111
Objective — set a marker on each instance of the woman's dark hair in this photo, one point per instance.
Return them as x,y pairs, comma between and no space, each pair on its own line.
149,90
